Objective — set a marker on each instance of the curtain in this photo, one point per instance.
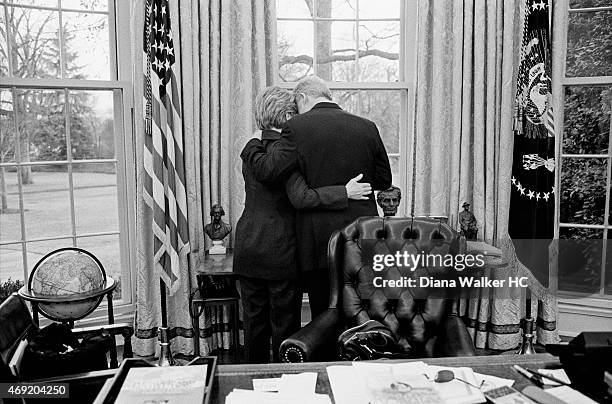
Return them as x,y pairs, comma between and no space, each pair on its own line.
225,55
466,81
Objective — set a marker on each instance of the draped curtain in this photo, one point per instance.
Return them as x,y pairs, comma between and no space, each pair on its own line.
226,52
468,54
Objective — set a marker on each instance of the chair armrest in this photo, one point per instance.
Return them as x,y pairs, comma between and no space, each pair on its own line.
314,340
122,329
454,339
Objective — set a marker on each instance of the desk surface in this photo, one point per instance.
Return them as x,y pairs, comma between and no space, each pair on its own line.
230,377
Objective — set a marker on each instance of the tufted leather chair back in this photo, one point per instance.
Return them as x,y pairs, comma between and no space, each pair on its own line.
411,313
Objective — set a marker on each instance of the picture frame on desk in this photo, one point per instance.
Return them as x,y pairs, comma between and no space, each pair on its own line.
112,388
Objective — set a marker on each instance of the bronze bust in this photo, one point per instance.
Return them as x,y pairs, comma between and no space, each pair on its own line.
217,229
389,200
467,221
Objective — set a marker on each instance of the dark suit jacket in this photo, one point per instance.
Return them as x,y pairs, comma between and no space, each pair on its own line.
329,146
265,235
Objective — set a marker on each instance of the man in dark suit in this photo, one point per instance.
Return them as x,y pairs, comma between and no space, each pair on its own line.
329,146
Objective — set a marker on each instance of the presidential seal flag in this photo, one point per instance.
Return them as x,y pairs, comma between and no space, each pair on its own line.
164,182
533,170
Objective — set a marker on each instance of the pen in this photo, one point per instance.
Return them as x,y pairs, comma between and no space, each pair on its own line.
554,379
535,379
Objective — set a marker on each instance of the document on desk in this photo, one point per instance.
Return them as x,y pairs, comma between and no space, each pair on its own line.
343,385
269,384
349,388
239,396
288,389
356,384
458,391
490,382
301,383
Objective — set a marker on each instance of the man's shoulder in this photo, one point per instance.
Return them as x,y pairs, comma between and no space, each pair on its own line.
337,113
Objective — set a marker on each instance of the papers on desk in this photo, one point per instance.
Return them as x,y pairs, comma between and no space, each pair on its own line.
270,384
492,382
364,382
287,389
569,395
238,396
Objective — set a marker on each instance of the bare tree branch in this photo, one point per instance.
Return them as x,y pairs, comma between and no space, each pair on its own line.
307,60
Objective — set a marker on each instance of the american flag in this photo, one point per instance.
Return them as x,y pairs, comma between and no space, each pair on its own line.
164,180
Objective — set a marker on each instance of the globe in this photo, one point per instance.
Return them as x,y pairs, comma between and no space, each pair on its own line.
68,284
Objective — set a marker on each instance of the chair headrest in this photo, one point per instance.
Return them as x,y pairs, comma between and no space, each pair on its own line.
397,228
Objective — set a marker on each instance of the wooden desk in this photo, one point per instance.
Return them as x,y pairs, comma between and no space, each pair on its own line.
230,377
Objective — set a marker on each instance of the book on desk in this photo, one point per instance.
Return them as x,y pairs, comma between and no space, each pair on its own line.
138,381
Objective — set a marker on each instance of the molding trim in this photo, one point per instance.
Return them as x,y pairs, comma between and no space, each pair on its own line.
586,306
577,315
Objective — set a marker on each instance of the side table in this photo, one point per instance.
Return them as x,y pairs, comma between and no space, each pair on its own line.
217,269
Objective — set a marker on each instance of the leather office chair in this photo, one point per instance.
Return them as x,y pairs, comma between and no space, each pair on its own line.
17,324
424,326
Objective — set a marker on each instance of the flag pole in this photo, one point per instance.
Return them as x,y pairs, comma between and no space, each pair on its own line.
165,354
164,310
526,347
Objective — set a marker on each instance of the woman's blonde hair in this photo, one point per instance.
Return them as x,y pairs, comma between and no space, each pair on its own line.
272,106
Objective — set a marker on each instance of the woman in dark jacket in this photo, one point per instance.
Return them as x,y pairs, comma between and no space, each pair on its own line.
264,248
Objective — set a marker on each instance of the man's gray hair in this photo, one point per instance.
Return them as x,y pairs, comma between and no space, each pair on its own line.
272,106
313,86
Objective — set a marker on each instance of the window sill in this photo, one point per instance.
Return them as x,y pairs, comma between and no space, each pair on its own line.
584,314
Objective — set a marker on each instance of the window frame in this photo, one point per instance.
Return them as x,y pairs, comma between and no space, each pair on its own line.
569,301
408,20
121,85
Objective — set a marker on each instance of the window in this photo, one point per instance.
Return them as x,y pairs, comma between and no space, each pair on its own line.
365,49
65,165
583,105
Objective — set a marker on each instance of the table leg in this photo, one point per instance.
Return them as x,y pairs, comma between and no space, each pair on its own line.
236,331
195,322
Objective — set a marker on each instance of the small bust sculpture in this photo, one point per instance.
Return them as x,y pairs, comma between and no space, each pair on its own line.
389,200
217,229
467,221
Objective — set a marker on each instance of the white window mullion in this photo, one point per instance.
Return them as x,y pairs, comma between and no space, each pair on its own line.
20,187
559,53
9,45
112,40
62,44
356,67
607,210
315,33
67,123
